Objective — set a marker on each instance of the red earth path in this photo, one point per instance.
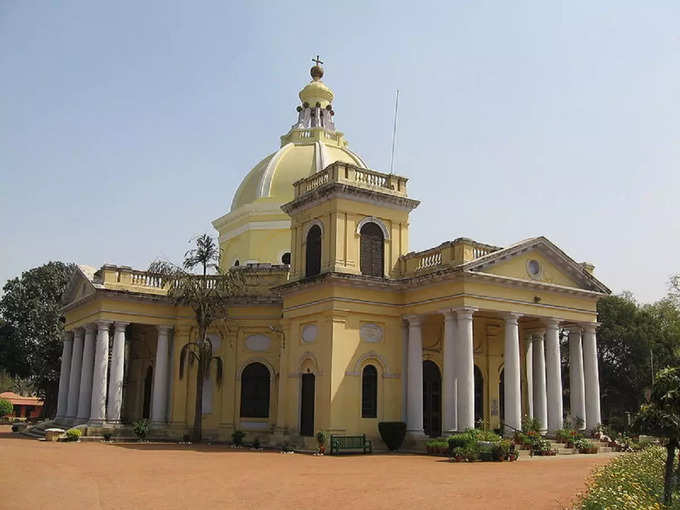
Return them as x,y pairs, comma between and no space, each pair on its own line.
35,474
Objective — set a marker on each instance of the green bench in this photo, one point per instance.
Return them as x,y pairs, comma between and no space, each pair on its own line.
351,443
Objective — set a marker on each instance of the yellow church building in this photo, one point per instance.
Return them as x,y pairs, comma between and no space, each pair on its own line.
345,327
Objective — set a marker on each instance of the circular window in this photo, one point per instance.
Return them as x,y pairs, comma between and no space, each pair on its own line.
534,268
285,258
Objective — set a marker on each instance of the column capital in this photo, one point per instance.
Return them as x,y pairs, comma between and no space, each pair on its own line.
448,313
590,327
537,335
511,317
551,323
465,312
121,325
78,332
68,335
91,327
164,328
574,329
103,324
413,320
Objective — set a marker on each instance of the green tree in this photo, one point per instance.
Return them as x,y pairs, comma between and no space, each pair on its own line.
207,294
5,407
31,310
661,417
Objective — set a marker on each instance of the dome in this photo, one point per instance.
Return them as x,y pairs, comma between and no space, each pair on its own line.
273,177
310,146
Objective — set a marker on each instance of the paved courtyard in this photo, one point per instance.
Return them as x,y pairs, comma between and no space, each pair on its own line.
36,474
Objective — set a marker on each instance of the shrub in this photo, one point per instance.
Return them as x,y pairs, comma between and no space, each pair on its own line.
237,437
471,452
321,438
543,447
530,424
73,434
5,407
471,436
633,481
502,450
392,433
437,446
141,429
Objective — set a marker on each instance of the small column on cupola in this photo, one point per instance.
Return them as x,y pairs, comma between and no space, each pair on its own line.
316,110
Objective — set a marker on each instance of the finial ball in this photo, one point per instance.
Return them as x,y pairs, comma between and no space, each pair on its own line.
316,72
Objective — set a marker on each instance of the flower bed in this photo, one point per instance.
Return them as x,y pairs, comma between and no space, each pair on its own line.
474,445
633,481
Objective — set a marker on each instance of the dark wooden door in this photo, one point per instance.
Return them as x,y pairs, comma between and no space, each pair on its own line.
148,381
307,405
432,399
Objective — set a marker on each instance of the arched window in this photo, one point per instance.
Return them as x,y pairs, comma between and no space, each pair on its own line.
372,250
285,258
255,391
369,392
313,251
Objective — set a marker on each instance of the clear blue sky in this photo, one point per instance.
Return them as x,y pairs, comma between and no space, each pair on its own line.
125,127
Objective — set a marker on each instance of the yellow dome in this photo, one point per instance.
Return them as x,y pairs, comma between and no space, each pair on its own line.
316,93
303,152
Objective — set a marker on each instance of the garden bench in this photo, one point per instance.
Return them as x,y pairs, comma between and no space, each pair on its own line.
351,443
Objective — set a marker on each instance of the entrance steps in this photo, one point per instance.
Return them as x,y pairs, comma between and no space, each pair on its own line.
563,450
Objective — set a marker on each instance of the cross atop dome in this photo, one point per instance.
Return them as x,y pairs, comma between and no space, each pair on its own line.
317,70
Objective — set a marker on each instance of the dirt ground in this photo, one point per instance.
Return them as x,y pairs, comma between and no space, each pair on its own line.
35,474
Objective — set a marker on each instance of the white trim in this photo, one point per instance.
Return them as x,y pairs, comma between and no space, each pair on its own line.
309,225
265,184
255,225
377,221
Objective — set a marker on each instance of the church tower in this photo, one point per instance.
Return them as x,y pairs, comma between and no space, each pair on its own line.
345,218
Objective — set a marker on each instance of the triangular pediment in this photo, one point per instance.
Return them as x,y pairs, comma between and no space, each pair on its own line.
80,286
537,260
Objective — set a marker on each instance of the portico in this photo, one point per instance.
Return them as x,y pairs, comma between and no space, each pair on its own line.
489,341
106,390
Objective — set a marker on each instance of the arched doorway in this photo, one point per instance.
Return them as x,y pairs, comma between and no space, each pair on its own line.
148,381
479,397
313,251
372,250
307,392
432,399
255,382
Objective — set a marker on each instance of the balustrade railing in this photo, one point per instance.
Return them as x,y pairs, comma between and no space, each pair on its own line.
144,279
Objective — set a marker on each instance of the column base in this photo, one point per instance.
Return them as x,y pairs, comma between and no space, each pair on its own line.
415,441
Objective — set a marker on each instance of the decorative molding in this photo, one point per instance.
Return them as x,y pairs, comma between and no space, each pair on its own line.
309,225
371,333
377,221
374,356
309,333
250,361
258,342
255,225
308,355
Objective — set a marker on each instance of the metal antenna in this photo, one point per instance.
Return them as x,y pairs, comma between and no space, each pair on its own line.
394,131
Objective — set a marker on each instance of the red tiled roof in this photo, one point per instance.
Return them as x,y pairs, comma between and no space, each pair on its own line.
19,400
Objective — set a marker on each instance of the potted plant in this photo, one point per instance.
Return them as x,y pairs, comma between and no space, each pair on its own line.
321,439
237,438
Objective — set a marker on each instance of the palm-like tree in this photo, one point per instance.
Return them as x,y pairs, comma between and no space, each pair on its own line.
207,293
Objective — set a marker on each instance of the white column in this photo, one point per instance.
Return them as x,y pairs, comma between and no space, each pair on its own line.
511,374
116,373
540,406
64,374
101,365
74,376
553,374
577,400
465,369
528,362
592,379
414,422
404,370
85,397
159,404
450,397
